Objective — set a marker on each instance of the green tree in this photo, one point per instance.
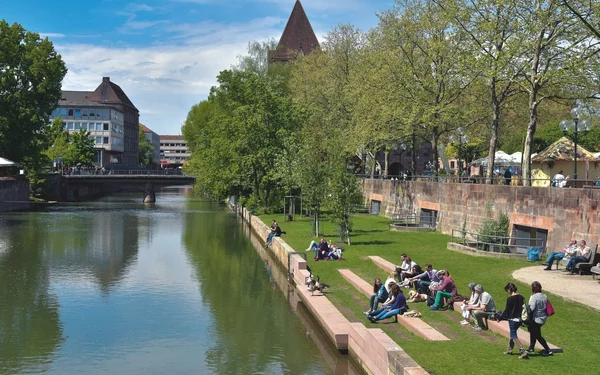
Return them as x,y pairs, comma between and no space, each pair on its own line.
58,141
31,73
81,149
145,149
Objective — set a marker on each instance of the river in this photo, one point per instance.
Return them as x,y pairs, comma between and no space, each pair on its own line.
117,287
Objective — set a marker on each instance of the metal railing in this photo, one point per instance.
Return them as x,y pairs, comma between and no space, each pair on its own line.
129,172
497,244
409,219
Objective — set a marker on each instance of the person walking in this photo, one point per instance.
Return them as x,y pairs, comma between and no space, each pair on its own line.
537,318
512,313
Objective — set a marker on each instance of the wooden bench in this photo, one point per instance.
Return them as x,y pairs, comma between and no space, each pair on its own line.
502,329
583,266
414,325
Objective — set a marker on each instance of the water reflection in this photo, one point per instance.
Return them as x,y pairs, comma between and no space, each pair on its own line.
30,326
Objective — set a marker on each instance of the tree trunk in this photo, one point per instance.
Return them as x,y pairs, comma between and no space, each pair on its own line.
533,114
489,177
434,143
413,151
387,162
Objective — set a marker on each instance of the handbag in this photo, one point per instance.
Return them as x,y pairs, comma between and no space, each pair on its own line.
549,308
525,313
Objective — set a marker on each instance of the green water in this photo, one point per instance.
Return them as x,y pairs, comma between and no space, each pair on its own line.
116,287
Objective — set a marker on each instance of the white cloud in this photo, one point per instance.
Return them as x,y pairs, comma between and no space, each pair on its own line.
165,80
134,7
52,35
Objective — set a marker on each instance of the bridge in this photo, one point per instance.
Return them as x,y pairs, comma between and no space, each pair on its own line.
90,183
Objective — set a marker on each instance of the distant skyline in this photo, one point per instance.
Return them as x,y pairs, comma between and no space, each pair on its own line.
166,54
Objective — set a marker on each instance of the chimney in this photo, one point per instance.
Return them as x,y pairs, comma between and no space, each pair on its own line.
105,79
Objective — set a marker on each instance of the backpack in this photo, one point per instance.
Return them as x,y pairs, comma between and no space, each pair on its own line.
525,312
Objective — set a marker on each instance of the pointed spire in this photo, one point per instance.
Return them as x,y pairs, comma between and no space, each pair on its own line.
298,36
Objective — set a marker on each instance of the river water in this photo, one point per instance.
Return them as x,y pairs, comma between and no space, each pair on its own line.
116,287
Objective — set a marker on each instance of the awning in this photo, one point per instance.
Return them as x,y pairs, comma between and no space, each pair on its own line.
7,163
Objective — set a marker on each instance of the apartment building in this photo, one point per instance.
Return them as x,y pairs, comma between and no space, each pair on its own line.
111,118
173,151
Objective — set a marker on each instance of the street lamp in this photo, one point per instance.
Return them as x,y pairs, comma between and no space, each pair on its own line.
461,138
575,126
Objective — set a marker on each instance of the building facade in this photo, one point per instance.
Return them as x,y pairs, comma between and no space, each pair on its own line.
111,119
154,140
173,151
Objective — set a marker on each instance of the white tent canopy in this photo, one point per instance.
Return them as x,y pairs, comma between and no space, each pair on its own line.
501,159
7,163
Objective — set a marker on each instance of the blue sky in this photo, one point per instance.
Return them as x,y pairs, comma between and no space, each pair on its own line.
166,54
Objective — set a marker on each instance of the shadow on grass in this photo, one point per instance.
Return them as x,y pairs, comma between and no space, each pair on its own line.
374,242
356,231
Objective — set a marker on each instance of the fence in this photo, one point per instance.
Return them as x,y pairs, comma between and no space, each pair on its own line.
498,244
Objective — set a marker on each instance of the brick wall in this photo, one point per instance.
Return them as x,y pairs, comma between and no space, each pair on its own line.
14,194
564,213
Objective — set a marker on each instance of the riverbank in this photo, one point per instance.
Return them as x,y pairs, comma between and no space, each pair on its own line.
372,348
568,329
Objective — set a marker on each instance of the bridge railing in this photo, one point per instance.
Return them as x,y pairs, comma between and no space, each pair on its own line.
132,172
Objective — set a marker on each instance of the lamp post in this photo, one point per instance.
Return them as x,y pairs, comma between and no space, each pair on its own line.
575,126
461,138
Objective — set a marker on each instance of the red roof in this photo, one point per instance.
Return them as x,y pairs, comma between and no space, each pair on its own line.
110,92
171,137
145,129
298,36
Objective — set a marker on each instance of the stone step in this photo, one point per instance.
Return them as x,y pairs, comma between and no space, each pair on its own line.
383,264
501,328
414,325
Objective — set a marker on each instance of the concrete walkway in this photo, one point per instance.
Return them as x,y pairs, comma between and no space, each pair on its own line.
582,289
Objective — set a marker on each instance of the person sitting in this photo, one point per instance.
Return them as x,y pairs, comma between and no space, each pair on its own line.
323,251
585,252
379,295
473,301
446,289
402,267
556,256
272,234
424,279
411,270
485,307
399,306
558,179
335,253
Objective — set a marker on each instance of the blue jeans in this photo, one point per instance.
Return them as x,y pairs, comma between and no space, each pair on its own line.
388,314
270,237
514,327
554,256
574,261
378,298
423,286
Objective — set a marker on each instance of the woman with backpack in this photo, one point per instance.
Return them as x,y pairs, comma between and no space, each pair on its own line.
537,318
513,312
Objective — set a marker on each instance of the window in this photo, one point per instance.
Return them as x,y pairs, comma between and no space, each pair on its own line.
77,125
99,126
105,140
84,125
452,165
70,114
70,126
77,112
98,140
92,113
64,125
105,126
84,112
63,112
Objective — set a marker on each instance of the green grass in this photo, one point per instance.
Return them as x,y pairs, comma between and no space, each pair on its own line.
468,352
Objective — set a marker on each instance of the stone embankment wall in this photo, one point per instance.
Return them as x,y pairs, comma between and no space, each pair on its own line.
372,348
564,213
14,194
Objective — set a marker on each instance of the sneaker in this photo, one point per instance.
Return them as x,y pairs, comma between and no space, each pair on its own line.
433,308
547,269
524,356
508,351
545,264
367,313
530,350
464,322
477,328
547,353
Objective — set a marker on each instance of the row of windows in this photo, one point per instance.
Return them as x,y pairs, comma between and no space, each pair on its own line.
92,126
173,145
86,113
175,158
100,140
176,152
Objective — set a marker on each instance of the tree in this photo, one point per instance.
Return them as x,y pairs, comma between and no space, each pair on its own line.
558,66
58,141
145,149
81,149
31,73
588,13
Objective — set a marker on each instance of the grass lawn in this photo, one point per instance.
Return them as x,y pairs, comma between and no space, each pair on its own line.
573,328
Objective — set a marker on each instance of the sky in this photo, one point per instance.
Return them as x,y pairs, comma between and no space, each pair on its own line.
166,54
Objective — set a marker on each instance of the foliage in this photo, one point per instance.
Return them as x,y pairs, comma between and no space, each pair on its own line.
31,73
494,231
345,195
81,149
145,149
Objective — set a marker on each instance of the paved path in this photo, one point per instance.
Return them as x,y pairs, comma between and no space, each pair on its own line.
582,289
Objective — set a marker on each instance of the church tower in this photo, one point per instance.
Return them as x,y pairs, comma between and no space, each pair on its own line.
298,37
